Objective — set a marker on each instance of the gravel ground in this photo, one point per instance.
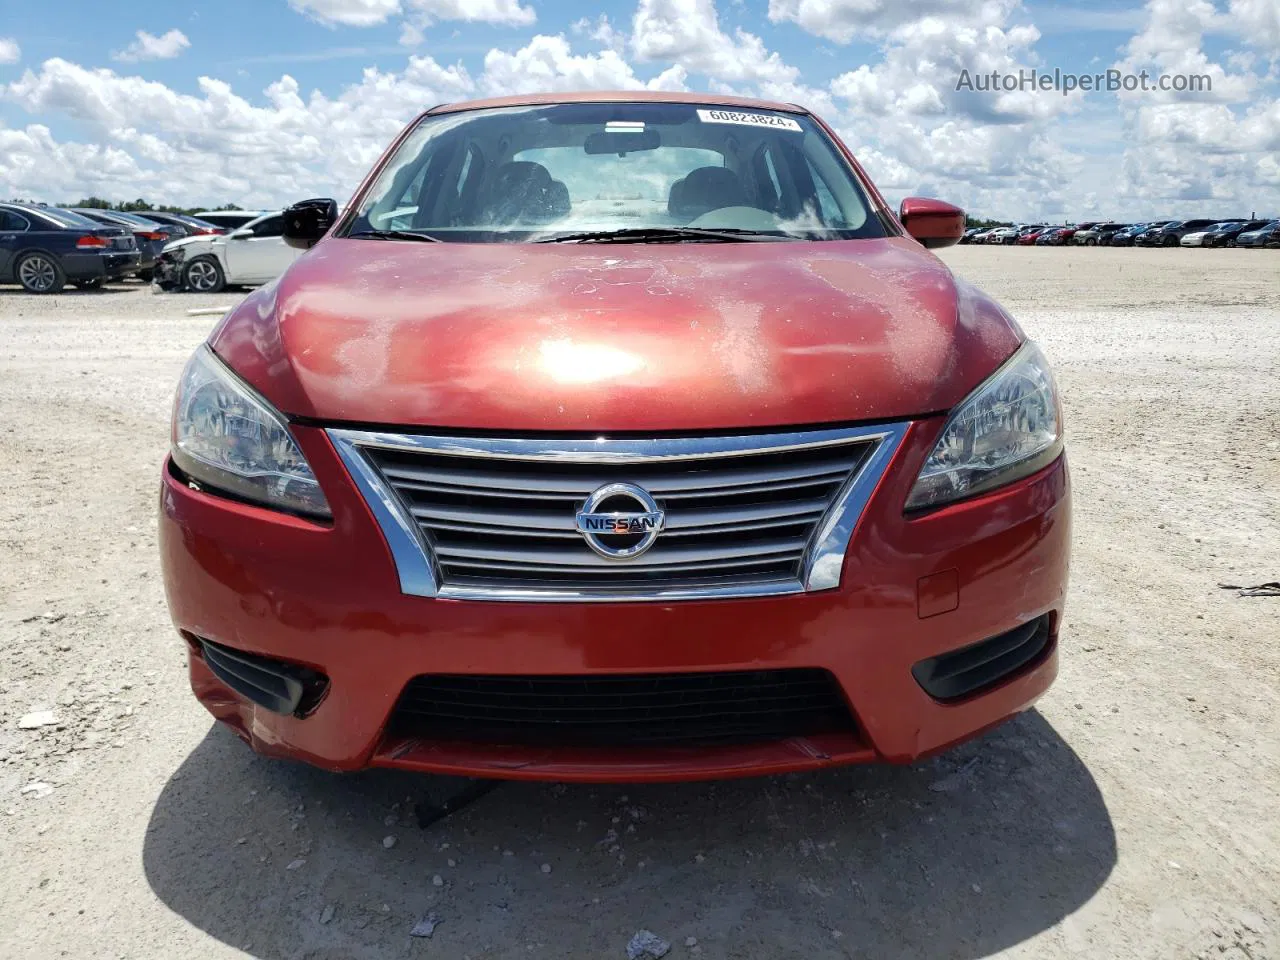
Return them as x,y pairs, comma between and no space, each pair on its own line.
1134,814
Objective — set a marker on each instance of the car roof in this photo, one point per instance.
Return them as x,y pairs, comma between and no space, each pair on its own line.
618,96
54,215
264,216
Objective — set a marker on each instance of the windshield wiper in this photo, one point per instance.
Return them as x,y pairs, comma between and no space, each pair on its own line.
394,235
665,235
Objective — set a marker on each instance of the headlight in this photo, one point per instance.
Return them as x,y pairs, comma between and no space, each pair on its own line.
1009,427
228,437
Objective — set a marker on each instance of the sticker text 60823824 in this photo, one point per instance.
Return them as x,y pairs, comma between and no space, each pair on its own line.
750,119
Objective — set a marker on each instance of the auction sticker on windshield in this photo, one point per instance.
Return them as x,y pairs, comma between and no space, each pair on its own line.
749,119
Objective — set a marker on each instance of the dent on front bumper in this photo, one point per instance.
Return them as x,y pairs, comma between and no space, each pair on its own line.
328,598
167,273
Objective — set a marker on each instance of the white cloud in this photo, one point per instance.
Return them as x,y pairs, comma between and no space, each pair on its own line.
1171,43
411,35
217,145
688,33
925,58
150,47
369,13
10,52
349,13
547,63
1258,23
601,31
846,20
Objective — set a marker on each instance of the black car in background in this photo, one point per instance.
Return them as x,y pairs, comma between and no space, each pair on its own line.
180,225
1108,231
1227,233
150,235
43,248
1171,234
1266,236
1128,237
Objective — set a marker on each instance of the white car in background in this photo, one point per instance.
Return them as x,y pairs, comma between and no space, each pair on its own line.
251,255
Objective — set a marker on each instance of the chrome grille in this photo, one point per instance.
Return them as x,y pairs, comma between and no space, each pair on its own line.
492,518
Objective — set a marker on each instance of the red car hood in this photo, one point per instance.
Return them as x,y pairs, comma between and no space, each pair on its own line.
599,337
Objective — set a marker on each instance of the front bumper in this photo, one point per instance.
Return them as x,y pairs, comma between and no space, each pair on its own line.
327,597
167,273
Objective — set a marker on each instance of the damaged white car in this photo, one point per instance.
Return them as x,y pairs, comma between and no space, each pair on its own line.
252,254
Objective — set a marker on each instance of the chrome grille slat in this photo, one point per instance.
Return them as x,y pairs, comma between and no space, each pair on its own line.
620,571
657,485
494,518
658,557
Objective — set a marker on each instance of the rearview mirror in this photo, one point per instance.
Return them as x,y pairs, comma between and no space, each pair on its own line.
610,141
306,222
932,222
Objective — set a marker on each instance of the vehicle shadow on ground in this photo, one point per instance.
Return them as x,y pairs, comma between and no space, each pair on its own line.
68,291
956,857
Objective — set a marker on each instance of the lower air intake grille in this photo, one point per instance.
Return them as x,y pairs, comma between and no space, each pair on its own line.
980,666
633,709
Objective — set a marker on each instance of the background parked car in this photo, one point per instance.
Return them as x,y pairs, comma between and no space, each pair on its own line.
44,247
229,219
970,234
1005,235
1090,235
181,225
1107,231
1028,237
1200,238
1225,234
1171,234
1128,237
1267,236
255,253
1062,235
149,235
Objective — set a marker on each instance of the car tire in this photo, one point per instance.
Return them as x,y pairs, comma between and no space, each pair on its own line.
1171,241
95,284
40,273
203,275
1091,243
146,275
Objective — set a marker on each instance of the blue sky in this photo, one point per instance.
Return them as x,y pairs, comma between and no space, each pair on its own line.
257,102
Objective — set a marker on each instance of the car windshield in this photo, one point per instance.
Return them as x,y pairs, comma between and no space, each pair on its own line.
65,218
561,170
137,221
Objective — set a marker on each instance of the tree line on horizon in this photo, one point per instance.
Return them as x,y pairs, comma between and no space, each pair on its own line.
128,206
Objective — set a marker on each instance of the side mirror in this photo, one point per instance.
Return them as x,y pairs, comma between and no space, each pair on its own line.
306,222
932,222
241,234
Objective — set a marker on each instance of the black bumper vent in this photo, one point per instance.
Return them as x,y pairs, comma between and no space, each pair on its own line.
281,687
621,710
979,666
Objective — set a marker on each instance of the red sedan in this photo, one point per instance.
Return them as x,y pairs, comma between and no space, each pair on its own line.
616,437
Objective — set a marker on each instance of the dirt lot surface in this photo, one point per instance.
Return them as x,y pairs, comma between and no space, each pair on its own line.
1135,813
